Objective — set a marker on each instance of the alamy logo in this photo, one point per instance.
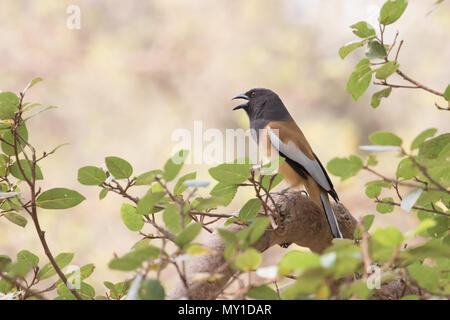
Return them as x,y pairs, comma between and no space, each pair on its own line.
213,146
374,280
74,20
74,277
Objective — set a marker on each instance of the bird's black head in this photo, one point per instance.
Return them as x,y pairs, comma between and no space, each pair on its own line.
263,104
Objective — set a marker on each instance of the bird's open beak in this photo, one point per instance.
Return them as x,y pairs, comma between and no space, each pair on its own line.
241,96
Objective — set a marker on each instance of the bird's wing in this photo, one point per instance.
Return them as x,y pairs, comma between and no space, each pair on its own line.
288,146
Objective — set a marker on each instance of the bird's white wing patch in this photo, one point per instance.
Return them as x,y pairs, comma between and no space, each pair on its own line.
294,153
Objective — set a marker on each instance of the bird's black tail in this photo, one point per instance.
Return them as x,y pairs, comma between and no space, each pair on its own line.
334,226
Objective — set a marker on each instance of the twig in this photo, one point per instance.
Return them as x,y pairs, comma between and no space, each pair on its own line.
377,200
398,182
18,285
417,85
32,186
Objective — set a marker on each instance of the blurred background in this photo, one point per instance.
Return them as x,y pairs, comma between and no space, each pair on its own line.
136,71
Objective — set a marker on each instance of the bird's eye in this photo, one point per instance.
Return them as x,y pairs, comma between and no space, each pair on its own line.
253,94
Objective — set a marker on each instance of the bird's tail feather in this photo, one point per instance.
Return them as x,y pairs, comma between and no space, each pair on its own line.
334,226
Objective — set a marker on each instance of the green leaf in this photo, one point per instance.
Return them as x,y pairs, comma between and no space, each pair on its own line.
447,93
174,164
19,269
180,187
9,104
384,138
410,297
132,220
9,140
391,11
143,243
146,203
385,207
407,169
91,176
431,149
230,173
389,236
276,179
152,289
373,188
188,234
434,249
363,29
32,83
426,276
118,167
27,107
367,223
250,209
306,284
197,250
257,228
111,288
62,260
297,260
103,193
375,50
428,133
228,236
16,219
57,148
226,191
376,97
358,288
147,178
272,166
386,70
351,46
5,286
59,198
86,291
422,227
249,260
3,164
15,171
84,273
41,111
209,203
117,290
4,261
262,293
360,79
134,259
27,257
172,218
345,168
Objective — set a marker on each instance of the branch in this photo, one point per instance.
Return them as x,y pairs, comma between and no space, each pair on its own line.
32,186
302,223
402,183
19,286
377,200
416,84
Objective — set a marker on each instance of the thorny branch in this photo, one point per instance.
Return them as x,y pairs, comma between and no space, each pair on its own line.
19,145
415,84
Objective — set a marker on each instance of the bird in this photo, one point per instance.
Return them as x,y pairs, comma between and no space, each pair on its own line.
267,113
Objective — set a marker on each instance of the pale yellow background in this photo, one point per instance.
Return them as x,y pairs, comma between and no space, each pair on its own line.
137,70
